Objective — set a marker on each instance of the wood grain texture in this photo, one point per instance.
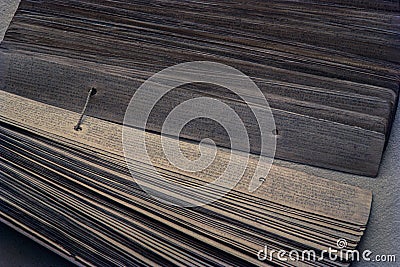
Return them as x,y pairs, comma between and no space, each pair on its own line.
329,71
72,191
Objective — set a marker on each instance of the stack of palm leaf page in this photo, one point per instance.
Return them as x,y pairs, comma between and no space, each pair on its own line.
329,70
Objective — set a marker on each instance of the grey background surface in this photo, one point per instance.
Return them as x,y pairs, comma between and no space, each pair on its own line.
382,236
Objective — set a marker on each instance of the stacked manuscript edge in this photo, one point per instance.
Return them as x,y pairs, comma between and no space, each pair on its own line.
72,191
328,69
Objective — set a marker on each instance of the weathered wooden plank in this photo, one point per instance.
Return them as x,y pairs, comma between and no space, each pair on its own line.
329,70
333,69
95,212
335,139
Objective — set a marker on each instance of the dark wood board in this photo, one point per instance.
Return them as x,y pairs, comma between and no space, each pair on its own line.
328,70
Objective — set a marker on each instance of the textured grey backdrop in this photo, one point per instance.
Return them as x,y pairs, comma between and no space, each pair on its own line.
382,235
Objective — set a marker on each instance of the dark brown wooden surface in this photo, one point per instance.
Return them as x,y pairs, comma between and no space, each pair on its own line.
329,71
44,77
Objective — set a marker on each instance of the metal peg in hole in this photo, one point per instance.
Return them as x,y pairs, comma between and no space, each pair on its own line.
92,92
